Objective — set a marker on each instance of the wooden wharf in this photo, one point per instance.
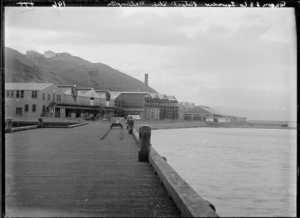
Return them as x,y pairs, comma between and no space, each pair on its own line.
93,170
71,172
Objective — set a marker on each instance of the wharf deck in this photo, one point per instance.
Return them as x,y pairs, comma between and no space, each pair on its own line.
71,172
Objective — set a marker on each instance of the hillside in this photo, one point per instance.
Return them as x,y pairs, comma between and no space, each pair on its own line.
63,68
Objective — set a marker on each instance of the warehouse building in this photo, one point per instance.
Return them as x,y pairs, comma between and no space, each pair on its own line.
160,107
84,102
30,100
208,114
70,101
129,103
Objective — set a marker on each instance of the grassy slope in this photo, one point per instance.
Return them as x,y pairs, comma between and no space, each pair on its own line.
66,69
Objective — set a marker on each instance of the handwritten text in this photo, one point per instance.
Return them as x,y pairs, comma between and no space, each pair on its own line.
25,3
124,4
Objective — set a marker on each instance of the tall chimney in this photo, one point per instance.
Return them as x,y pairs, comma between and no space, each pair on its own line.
146,83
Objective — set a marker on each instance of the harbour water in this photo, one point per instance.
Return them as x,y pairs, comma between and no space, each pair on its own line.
243,172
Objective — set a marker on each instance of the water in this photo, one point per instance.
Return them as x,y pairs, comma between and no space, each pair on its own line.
243,172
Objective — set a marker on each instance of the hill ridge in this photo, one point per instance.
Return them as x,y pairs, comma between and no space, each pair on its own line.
65,68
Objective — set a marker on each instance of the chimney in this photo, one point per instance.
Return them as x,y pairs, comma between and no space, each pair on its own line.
146,83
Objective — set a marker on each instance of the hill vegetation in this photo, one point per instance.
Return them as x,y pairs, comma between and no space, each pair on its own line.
63,68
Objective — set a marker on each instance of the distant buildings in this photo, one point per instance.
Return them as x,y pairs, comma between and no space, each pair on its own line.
33,100
209,114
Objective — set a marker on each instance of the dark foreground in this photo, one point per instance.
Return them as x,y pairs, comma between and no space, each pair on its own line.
71,172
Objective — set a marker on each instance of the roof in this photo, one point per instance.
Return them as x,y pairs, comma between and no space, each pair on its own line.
114,95
171,98
27,86
84,88
151,95
162,96
204,109
66,85
134,92
101,90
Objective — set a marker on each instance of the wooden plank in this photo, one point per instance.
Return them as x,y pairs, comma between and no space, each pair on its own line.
71,171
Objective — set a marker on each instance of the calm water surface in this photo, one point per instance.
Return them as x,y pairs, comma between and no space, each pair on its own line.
243,172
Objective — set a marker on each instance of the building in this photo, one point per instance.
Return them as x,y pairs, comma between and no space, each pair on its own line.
130,103
69,101
160,107
83,102
30,100
209,114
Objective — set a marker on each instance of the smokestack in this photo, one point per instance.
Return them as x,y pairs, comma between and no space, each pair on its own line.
146,83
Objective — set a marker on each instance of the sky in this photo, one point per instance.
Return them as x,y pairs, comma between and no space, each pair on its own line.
220,57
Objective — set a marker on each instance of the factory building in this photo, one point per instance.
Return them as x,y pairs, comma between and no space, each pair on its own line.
32,100
209,114
131,103
160,107
69,101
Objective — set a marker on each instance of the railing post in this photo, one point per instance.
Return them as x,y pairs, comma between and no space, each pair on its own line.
40,123
8,126
144,143
130,124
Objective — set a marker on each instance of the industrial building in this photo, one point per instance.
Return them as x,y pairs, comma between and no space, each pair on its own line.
160,107
32,100
209,114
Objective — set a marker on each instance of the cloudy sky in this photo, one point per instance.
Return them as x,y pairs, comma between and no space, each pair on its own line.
228,57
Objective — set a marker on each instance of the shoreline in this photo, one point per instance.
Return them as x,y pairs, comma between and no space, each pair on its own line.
180,124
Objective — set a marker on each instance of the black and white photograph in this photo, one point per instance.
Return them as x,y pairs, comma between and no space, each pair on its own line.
159,110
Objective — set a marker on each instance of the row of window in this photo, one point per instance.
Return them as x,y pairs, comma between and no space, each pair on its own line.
26,109
11,93
19,94
34,94
58,97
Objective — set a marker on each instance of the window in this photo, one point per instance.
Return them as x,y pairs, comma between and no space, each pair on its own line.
18,94
12,93
7,93
58,98
26,108
34,94
33,108
43,96
19,111
48,97
22,93
44,108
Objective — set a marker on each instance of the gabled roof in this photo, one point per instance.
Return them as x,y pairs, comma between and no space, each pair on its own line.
84,89
172,98
27,86
91,93
201,109
154,95
151,95
162,96
114,95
